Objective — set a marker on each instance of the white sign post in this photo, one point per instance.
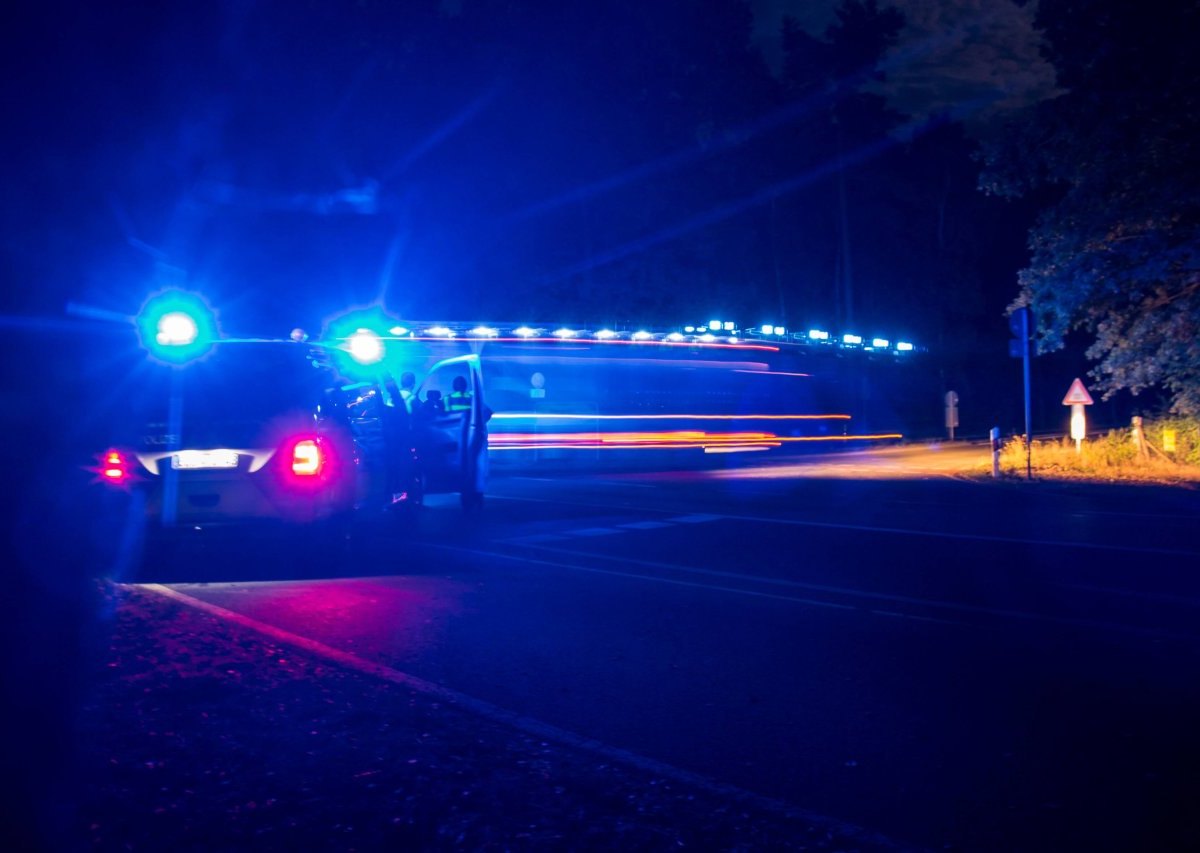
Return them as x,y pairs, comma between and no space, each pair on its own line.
1078,397
951,412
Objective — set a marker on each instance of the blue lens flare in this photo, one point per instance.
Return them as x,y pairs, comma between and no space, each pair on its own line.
177,327
358,341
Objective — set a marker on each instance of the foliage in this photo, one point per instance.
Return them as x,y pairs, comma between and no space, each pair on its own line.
1113,456
1115,255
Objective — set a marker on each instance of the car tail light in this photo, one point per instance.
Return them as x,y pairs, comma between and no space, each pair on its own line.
114,468
307,458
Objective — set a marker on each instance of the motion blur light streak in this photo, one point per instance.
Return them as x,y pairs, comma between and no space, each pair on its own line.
500,416
773,373
666,440
675,339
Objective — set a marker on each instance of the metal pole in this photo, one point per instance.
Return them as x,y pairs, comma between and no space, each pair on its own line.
995,435
1028,395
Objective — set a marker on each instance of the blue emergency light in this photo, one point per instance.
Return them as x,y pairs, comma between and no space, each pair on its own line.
176,326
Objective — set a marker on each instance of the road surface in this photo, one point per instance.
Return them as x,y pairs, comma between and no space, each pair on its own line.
948,662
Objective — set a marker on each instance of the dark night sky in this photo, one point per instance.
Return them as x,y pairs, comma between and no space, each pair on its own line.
507,160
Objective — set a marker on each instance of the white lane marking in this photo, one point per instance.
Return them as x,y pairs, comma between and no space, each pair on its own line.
646,525
900,531
538,537
1019,615
527,724
795,599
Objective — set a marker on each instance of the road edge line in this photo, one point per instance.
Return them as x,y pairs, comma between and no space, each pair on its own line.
526,724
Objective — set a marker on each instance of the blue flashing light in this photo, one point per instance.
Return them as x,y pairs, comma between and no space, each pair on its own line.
852,339
767,329
881,343
780,330
356,340
365,347
176,329
176,326
715,325
729,326
903,346
817,335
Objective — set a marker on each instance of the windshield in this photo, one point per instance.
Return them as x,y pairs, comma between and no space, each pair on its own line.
229,396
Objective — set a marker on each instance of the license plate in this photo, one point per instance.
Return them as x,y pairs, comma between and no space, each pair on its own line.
190,459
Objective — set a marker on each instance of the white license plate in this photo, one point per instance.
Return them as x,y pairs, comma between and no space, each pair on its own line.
189,459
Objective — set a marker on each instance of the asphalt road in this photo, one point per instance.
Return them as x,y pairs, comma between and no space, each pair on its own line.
950,663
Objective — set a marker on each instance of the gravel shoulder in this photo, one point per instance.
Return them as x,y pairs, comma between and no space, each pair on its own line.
198,734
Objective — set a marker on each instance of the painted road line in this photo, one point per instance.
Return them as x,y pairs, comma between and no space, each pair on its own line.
526,724
898,531
539,537
960,607
593,531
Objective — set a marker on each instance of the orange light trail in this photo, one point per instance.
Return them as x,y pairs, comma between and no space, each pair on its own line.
667,440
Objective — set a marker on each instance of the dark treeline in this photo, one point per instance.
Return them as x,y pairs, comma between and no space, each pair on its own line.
598,163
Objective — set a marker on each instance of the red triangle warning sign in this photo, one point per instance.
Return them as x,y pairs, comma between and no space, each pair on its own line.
1077,394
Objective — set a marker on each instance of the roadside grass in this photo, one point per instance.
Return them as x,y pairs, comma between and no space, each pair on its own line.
1114,457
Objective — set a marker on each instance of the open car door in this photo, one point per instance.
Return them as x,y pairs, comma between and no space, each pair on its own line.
451,433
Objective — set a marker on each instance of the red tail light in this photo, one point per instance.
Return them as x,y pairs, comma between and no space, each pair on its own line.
114,468
307,458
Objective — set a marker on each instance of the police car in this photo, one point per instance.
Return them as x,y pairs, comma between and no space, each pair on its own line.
221,431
